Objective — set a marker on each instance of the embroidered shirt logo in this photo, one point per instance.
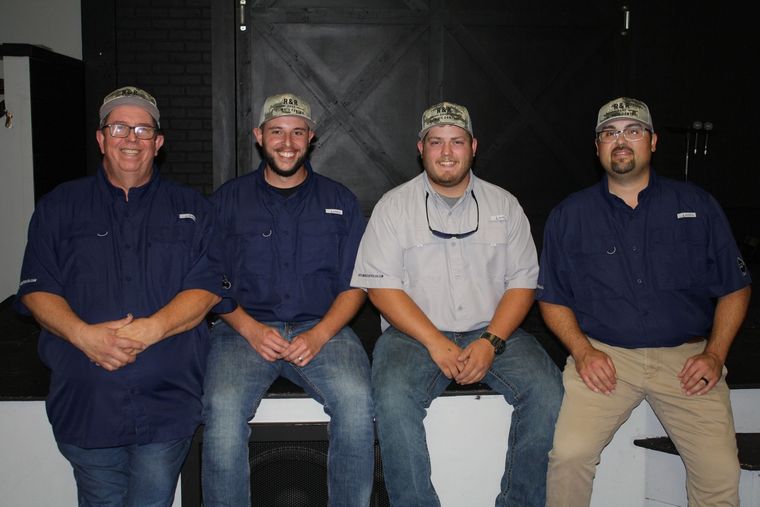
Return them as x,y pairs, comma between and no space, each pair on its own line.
189,216
28,280
333,211
686,214
742,266
498,218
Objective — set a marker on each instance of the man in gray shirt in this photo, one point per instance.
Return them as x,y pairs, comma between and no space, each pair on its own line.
449,261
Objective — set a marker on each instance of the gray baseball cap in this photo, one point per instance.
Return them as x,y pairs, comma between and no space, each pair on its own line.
625,108
129,96
286,104
445,113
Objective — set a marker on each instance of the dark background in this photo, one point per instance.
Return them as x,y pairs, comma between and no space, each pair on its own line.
533,75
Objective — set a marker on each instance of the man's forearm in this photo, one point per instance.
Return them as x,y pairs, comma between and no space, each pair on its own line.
185,311
562,322
404,314
511,311
729,315
342,310
53,313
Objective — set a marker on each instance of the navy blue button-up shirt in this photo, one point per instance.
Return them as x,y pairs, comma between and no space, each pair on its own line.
645,276
287,258
108,257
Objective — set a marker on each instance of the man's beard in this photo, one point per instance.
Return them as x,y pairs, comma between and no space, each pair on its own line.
285,173
623,167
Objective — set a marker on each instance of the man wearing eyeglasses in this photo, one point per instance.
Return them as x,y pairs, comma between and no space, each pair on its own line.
119,271
449,261
641,279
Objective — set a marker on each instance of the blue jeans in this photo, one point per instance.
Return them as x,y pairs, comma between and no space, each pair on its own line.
237,378
405,380
127,476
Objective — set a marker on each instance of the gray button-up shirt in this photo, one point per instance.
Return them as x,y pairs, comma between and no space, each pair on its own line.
456,282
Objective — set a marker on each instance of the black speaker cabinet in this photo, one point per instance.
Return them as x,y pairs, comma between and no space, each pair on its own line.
288,463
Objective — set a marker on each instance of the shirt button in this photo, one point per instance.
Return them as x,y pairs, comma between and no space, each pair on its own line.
635,249
460,307
639,281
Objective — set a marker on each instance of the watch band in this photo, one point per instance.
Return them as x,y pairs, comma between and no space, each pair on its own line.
497,342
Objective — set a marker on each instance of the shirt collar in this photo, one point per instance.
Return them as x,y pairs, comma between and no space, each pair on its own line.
262,182
135,193
438,199
614,200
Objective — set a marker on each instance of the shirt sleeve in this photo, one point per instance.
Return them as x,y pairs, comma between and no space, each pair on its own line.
349,249
40,270
206,265
730,272
553,285
522,268
379,262
228,302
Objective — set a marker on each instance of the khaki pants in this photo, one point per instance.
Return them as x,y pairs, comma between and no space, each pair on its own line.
701,427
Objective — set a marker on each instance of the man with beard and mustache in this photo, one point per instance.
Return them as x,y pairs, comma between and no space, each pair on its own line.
643,282
291,237
449,261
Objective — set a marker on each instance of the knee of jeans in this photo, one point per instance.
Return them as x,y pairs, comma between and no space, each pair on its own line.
222,409
394,397
353,403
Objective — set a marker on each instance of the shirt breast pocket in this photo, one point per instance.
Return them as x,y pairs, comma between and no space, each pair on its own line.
170,251
679,255
322,244
597,269
490,252
425,265
83,250
253,249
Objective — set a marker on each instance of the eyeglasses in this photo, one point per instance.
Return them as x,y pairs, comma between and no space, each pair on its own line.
448,235
141,131
631,134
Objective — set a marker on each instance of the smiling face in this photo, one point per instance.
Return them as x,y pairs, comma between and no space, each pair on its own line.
626,160
447,153
128,161
285,144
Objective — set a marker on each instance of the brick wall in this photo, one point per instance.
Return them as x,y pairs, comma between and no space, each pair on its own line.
164,46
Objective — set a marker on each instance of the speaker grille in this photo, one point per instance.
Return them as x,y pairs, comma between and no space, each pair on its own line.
288,474
288,463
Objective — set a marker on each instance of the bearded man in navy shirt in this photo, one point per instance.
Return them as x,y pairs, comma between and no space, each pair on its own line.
291,237
642,280
120,272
